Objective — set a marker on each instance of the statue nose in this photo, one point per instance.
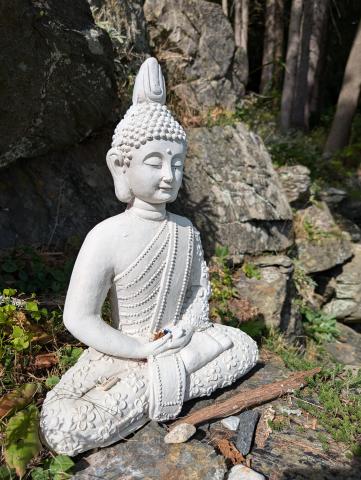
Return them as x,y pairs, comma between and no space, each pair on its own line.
167,174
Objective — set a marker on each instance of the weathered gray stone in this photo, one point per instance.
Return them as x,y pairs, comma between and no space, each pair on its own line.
247,426
346,304
146,456
232,192
296,183
320,243
272,293
231,423
180,433
347,348
195,41
241,472
57,78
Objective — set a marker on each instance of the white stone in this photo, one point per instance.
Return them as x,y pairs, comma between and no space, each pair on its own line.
152,263
241,472
181,433
231,423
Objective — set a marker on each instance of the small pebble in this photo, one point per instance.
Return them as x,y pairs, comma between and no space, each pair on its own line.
231,423
240,472
181,433
247,425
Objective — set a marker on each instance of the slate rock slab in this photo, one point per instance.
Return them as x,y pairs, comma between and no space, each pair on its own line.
146,456
247,425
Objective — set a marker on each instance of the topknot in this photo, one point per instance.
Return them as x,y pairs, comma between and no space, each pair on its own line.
148,118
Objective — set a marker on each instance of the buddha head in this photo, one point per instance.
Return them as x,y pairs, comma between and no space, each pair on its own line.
149,146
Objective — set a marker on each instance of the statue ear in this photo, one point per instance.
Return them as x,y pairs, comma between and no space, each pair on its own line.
116,166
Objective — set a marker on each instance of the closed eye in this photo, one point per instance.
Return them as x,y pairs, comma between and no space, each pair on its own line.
153,161
177,163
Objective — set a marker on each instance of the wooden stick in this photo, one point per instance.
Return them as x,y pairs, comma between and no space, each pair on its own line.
248,398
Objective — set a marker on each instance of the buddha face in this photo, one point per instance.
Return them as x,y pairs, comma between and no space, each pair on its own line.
156,170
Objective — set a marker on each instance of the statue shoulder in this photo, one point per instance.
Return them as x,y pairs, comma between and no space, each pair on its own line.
179,220
106,233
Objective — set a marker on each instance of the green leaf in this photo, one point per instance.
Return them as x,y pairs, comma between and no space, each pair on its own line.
21,439
61,464
31,307
39,473
9,292
51,381
6,473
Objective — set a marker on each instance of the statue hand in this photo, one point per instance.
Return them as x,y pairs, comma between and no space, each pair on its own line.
172,342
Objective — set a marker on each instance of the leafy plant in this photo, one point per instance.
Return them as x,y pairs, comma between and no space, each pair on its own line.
318,325
17,399
56,468
21,439
69,356
251,271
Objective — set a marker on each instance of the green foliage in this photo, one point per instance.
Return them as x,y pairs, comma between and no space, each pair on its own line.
222,286
69,356
56,468
337,405
251,271
278,424
295,357
51,381
30,271
319,326
254,328
21,439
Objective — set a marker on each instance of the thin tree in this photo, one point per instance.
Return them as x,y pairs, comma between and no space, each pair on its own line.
317,53
269,46
340,132
289,83
300,107
278,54
225,7
241,12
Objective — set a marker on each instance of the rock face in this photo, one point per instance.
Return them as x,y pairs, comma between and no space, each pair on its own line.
232,192
346,304
272,292
125,23
195,41
321,244
296,183
149,458
58,85
48,200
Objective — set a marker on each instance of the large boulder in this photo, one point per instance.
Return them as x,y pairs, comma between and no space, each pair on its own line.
146,456
320,243
346,303
47,200
271,291
232,192
195,41
57,80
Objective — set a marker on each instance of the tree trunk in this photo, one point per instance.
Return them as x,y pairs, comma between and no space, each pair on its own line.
317,53
268,65
300,108
289,83
278,55
241,24
225,7
340,132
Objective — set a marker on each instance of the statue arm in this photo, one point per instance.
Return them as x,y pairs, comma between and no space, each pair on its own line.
89,284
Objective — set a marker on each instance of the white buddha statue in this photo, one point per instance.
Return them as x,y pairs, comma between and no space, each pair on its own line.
162,349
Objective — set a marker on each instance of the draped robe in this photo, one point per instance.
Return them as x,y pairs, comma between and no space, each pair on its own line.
102,398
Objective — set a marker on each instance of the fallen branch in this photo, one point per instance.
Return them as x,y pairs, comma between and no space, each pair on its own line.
249,398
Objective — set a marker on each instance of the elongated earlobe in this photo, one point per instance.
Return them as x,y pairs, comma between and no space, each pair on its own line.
118,170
